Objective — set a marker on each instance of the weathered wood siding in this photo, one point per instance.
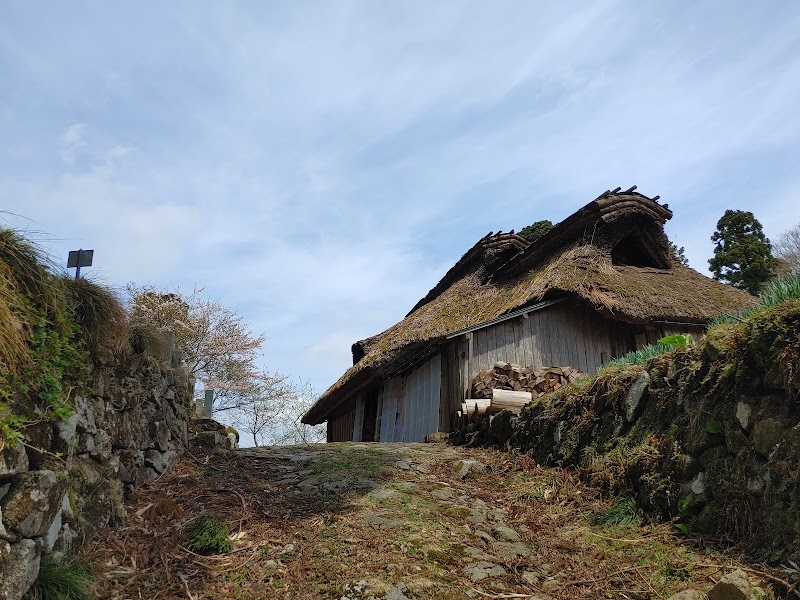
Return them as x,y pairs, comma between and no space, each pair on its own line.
452,384
388,409
358,419
422,400
410,405
340,429
426,400
559,335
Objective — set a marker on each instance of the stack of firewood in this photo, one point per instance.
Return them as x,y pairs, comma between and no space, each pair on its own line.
508,376
510,387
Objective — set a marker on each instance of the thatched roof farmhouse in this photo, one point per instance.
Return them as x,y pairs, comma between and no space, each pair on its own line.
601,283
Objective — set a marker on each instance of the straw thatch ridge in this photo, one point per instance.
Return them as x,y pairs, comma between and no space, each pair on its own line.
579,258
594,222
490,251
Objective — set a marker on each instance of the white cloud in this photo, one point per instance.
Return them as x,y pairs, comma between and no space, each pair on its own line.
72,142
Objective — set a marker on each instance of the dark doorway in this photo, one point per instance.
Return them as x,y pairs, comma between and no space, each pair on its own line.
370,415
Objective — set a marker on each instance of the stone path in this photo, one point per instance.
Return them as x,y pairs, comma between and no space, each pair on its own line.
410,499
389,522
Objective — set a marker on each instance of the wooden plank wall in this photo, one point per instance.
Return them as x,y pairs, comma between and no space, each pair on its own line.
340,429
559,335
392,390
355,435
452,388
410,407
423,391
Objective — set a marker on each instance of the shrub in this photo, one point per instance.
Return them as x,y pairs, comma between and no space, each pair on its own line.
624,512
61,581
640,356
207,535
98,312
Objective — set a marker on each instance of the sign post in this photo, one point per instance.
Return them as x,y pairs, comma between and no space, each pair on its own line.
79,258
208,403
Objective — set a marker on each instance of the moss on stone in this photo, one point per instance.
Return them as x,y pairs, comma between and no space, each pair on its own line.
688,424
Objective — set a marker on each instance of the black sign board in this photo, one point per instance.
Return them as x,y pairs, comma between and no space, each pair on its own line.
78,259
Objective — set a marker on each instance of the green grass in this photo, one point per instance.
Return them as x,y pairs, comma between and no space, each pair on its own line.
640,356
348,464
61,581
624,512
780,289
208,535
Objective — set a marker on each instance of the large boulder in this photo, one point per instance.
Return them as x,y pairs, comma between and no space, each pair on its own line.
32,503
738,586
20,569
13,460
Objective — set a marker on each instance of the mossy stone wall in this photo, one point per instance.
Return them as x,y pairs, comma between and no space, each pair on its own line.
706,436
70,475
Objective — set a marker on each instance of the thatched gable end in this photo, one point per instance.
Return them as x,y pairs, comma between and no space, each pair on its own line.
627,225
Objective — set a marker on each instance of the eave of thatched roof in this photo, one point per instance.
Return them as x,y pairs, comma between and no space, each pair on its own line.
572,260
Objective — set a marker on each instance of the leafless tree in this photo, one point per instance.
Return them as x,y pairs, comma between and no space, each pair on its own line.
787,250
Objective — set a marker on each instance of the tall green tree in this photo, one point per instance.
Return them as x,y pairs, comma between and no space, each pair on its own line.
742,253
536,230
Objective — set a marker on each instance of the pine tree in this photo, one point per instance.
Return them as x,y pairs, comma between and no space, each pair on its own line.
679,253
536,230
742,253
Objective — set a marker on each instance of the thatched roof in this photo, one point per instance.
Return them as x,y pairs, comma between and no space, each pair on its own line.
586,256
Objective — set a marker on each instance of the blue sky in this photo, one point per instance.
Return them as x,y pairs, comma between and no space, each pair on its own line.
319,166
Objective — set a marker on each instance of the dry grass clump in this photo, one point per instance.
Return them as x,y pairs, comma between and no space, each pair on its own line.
24,284
27,263
99,313
146,339
14,317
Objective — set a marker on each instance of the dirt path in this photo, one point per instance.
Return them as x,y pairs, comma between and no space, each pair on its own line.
391,521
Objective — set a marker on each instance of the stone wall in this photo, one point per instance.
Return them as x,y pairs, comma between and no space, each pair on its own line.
71,476
706,436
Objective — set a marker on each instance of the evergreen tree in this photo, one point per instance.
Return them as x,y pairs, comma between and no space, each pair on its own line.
535,231
742,254
679,253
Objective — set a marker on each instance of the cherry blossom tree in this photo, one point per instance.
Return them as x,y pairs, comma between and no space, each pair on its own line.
270,412
221,352
218,348
787,250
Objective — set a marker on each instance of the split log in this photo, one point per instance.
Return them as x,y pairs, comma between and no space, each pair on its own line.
475,406
507,400
509,376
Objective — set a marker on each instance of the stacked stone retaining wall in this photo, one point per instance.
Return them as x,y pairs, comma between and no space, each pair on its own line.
706,436
70,477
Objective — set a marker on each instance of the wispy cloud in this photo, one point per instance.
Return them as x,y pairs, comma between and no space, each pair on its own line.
72,142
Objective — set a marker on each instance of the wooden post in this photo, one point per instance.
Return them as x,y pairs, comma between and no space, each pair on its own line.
469,337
